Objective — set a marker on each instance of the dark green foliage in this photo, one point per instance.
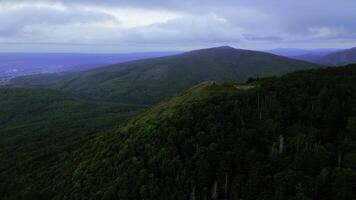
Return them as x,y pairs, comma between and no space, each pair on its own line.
149,81
290,138
35,124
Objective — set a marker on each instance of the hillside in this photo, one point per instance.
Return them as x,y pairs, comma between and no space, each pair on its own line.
325,57
296,53
38,122
151,80
343,57
20,64
309,55
291,137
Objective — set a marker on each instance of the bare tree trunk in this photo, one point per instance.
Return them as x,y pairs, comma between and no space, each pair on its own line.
281,144
214,191
192,193
226,185
339,158
259,107
260,115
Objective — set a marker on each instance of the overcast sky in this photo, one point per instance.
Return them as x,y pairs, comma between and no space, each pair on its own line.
168,25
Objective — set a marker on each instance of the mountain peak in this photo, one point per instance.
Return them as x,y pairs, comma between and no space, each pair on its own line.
225,47
222,49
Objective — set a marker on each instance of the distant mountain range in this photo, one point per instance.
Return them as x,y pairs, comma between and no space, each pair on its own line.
20,64
151,80
294,52
328,57
343,57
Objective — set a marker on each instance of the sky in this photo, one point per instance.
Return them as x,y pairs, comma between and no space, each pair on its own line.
121,26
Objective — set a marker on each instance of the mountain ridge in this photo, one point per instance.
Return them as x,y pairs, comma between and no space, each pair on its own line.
343,57
325,57
151,80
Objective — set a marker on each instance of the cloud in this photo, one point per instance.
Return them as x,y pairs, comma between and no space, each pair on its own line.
19,18
81,24
156,24
190,29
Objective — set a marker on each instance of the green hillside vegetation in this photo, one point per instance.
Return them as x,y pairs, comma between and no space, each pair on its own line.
34,123
286,138
151,80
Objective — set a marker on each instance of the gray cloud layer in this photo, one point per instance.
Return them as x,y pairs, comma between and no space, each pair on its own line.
16,20
242,23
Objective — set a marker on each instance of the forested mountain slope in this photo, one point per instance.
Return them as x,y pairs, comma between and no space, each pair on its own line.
291,138
35,123
151,80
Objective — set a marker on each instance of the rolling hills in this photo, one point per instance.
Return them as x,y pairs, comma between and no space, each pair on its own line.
344,57
289,137
151,80
21,64
302,53
326,57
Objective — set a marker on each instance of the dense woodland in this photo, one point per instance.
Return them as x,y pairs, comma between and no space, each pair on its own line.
35,123
284,138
